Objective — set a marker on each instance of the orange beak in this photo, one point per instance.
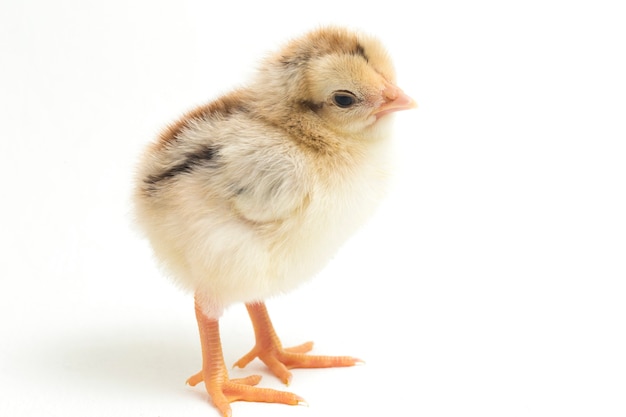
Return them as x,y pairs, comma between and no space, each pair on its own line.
395,100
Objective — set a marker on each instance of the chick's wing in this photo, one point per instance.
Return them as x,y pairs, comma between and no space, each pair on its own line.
267,180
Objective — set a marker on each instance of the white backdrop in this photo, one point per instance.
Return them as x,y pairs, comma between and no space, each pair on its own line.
490,283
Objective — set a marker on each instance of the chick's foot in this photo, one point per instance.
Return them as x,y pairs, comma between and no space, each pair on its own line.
219,386
279,360
224,391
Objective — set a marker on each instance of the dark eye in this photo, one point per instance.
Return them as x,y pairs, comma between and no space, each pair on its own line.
344,99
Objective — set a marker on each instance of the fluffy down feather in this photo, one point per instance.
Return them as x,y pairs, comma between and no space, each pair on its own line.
250,195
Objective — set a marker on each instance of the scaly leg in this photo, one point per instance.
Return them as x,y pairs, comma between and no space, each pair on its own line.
220,388
269,349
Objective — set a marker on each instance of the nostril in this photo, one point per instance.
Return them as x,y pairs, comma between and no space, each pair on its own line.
390,93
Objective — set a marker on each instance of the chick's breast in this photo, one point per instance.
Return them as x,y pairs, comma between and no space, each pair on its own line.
238,210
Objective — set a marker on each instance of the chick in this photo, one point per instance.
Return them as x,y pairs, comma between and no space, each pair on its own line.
250,195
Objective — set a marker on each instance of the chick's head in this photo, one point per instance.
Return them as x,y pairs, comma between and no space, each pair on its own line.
343,78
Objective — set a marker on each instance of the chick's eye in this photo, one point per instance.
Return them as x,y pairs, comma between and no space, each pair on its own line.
344,99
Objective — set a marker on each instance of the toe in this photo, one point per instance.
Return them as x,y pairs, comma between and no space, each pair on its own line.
278,368
195,379
249,380
303,348
238,392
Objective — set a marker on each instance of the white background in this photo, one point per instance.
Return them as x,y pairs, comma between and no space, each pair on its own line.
490,283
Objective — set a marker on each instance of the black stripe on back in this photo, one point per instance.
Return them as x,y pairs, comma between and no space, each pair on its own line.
201,157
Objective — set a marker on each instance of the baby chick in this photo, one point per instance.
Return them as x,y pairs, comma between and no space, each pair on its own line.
250,195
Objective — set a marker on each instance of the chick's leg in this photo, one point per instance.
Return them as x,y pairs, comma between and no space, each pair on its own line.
220,388
269,349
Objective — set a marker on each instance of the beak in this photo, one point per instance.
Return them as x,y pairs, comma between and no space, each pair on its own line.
395,100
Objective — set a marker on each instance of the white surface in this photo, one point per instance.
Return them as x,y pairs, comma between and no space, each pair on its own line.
491,283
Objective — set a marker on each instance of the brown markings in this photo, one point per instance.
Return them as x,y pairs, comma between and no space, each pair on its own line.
224,106
322,42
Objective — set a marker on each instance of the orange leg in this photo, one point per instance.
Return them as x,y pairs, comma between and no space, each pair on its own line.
220,388
269,349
